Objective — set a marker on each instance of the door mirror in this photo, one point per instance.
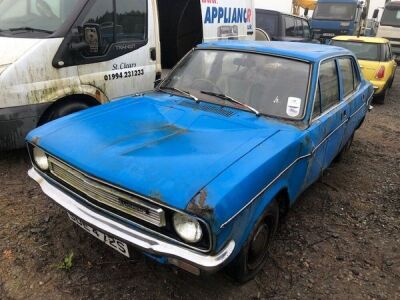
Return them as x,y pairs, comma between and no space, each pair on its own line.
92,37
376,13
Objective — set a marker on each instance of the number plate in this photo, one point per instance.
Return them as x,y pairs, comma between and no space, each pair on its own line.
114,243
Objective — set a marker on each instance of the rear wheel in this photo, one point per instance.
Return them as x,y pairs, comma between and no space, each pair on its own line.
252,257
380,99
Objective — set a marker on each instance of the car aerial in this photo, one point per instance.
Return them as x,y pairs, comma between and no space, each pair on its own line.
198,172
283,27
375,57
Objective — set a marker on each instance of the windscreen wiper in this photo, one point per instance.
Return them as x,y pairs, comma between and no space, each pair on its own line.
228,98
27,28
180,91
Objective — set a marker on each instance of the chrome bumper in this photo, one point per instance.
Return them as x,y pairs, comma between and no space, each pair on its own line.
132,236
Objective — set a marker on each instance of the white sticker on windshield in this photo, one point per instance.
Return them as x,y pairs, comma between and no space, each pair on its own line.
293,106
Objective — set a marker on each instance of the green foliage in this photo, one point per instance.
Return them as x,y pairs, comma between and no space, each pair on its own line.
67,262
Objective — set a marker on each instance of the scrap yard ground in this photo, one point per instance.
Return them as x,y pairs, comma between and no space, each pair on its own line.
340,241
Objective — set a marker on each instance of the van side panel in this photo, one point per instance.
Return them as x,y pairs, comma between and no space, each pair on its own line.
228,19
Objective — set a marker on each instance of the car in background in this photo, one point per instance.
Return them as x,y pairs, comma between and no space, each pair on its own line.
198,172
283,27
375,57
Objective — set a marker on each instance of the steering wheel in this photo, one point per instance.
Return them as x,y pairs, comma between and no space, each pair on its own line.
205,84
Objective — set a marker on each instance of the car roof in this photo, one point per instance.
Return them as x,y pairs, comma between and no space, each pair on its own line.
361,39
302,51
276,12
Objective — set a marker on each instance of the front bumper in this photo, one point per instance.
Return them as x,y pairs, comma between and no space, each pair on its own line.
175,254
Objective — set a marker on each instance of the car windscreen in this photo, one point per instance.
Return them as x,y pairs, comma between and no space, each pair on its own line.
34,16
391,17
275,86
363,51
267,22
335,11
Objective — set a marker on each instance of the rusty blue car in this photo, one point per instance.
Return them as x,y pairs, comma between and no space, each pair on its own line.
197,172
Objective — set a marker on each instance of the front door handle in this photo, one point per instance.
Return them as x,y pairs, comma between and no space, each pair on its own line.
344,115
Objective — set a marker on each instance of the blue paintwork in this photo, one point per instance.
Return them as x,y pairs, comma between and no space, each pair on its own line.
157,147
333,26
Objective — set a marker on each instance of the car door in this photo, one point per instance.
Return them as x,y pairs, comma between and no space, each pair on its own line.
353,95
124,60
391,60
334,110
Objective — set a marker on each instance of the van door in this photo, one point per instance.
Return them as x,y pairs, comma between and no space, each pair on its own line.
121,58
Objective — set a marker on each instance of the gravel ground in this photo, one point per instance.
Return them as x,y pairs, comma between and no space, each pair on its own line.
340,241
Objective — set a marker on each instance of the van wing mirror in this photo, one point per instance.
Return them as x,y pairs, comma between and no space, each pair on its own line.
89,39
376,13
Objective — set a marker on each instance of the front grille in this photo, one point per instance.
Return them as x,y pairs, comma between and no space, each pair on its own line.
107,195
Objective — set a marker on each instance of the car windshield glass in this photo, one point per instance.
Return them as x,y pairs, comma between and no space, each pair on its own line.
364,51
331,11
34,16
273,86
391,17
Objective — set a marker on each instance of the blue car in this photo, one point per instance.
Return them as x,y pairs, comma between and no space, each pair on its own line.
198,172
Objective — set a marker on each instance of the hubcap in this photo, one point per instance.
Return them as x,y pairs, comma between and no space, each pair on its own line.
258,247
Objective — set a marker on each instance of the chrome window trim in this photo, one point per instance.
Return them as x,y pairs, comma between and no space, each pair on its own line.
134,194
312,120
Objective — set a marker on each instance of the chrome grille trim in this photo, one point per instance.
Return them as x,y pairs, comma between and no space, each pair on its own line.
107,195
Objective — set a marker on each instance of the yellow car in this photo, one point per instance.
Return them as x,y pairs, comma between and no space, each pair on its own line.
375,58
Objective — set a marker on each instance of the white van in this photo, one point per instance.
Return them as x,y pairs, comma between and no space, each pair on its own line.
389,26
61,56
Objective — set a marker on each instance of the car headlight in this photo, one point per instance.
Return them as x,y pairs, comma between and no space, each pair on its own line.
40,158
187,227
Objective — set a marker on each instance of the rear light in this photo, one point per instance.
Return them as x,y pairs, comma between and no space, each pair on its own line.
381,73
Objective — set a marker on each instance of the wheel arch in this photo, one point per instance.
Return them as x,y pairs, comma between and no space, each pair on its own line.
84,98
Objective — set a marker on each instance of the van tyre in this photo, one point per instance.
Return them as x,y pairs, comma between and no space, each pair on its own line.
64,108
253,256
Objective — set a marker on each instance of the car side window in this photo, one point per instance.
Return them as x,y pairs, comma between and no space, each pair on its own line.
356,75
346,69
299,28
329,85
290,28
306,29
317,103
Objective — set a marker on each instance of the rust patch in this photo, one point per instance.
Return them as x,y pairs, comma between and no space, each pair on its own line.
199,205
36,140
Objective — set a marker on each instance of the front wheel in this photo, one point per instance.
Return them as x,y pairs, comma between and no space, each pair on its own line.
64,108
252,257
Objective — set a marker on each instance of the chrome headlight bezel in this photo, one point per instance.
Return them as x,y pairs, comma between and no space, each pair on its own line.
187,227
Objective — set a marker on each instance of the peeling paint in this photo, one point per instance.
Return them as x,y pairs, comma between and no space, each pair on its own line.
199,205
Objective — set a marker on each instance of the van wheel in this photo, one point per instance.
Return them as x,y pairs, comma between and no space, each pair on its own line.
252,257
64,108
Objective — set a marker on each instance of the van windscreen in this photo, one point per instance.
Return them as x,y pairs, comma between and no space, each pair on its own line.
391,17
335,11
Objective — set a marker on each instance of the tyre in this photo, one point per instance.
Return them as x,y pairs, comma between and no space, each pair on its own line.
252,257
380,99
64,108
